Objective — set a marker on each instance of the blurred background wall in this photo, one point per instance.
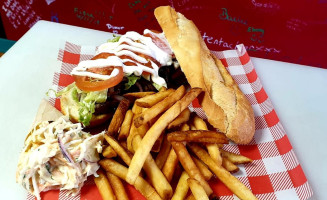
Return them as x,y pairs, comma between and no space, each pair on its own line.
292,31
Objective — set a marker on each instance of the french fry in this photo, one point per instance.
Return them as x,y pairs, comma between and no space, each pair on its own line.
240,190
197,136
119,149
170,165
150,100
135,131
140,184
181,188
180,119
203,168
157,145
118,117
136,109
189,166
190,197
213,149
162,89
117,186
185,127
126,125
163,153
109,152
229,166
156,177
197,190
160,107
155,131
104,186
136,95
235,158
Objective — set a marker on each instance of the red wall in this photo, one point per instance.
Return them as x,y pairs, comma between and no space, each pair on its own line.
292,31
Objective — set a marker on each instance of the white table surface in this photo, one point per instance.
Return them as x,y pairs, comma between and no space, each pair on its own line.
298,93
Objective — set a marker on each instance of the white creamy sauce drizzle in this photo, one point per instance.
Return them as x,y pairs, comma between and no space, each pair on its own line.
129,45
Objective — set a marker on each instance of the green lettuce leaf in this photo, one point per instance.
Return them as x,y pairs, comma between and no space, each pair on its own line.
86,100
114,39
157,86
87,104
131,81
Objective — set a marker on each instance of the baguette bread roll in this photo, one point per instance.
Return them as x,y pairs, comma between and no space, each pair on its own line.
225,105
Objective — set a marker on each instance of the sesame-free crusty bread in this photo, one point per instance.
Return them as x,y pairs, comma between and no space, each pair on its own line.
225,105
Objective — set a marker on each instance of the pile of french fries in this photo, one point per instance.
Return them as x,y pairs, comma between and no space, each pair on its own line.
159,140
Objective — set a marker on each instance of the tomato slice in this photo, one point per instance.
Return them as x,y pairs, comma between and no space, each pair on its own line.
86,84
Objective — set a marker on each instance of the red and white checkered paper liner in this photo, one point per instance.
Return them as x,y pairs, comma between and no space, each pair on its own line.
275,172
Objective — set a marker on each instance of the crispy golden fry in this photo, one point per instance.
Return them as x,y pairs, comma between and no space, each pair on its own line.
156,177
170,165
203,168
180,119
197,136
229,166
150,100
117,186
126,125
118,117
190,197
214,152
160,107
189,166
104,186
185,127
135,131
123,154
162,89
157,145
140,184
197,190
155,131
181,188
193,128
235,158
136,109
213,149
136,95
109,152
240,190
163,153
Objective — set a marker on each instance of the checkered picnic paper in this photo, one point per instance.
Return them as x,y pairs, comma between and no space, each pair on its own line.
275,172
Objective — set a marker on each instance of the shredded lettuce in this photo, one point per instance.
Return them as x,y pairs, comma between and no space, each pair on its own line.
87,104
131,81
157,86
114,39
86,100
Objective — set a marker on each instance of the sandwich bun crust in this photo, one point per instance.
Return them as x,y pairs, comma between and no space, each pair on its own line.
223,102
70,107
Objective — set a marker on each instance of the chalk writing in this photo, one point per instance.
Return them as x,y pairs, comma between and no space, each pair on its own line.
49,1
86,16
134,3
114,29
19,13
225,16
296,24
257,34
139,7
222,43
54,17
265,5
